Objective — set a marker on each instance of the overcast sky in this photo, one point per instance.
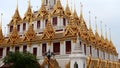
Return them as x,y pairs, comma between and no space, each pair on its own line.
106,10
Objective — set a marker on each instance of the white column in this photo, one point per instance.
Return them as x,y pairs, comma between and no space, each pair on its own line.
48,46
21,48
59,21
4,52
72,46
39,50
62,49
21,28
29,48
42,24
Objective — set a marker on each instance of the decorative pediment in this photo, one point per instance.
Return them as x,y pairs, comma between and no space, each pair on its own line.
14,36
28,14
16,16
58,9
30,35
53,63
48,32
71,29
91,36
42,11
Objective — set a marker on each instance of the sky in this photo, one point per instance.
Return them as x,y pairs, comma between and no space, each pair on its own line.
107,11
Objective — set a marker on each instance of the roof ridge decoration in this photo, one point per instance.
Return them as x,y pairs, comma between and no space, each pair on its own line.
71,28
67,10
28,13
48,32
30,35
90,32
16,16
1,33
83,30
97,37
76,18
58,9
42,11
14,36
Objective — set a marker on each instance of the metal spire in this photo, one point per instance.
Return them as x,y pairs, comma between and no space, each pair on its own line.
1,21
89,20
96,24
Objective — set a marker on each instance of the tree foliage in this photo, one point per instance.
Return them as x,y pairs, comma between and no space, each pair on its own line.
21,60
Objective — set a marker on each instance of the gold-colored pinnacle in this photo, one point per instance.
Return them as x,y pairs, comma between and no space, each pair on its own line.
106,31
1,21
89,20
101,28
110,34
96,24
17,5
29,4
81,7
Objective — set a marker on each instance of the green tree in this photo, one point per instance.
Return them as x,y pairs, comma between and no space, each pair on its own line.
21,60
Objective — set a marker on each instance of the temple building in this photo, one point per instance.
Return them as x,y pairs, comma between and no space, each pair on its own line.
63,32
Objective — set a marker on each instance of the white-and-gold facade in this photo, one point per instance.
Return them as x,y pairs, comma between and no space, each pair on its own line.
61,31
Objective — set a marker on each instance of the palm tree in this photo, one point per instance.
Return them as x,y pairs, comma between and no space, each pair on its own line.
21,60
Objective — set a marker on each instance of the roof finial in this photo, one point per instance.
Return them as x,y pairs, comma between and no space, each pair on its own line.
71,6
101,28
110,34
1,21
81,7
106,30
17,4
96,24
89,20
67,2
29,4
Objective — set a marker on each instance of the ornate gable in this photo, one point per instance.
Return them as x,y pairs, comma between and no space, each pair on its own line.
16,16
58,9
42,11
28,14
1,33
48,32
67,10
30,35
14,36
71,29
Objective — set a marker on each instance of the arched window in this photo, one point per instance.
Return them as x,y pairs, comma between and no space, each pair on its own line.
75,65
91,50
85,49
64,21
54,21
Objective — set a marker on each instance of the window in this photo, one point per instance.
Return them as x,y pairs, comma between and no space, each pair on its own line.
68,47
85,49
24,48
24,26
54,21
11,28
104,55
18,27
46,22
33,25
56,48
1,52
43,48
35,51
7,50
91,50
75,65
98,52
16,48
80,44
64,21
38,24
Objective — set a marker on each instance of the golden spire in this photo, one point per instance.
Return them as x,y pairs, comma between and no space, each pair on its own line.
28,13
110,34
67,10
16,15
1,34
58,9
106,31
81,15
42,11
96,24
90,28
101,29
